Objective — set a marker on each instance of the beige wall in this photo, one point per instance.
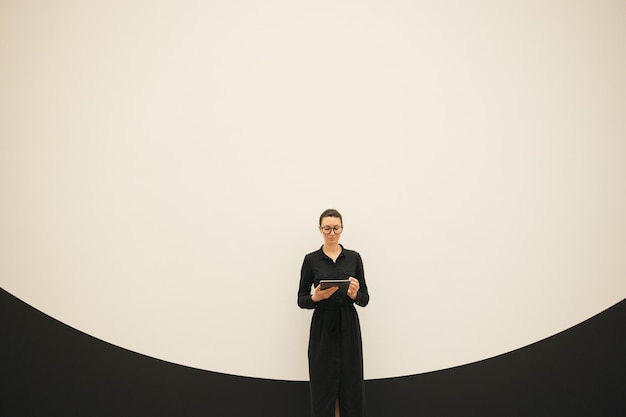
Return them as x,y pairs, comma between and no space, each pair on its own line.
163,164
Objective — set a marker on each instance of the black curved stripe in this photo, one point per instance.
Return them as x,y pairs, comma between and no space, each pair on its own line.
578,372
50,369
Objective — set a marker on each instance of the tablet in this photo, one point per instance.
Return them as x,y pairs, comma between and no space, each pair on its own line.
343,284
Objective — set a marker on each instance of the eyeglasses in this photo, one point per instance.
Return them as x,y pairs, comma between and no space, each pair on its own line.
328,229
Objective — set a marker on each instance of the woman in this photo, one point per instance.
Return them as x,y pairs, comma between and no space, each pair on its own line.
335,350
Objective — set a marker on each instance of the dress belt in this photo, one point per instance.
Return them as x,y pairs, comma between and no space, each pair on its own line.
333,308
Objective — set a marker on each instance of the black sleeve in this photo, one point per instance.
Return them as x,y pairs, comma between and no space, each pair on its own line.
362,296
306,280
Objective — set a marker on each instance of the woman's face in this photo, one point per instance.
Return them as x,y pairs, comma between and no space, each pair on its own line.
334,223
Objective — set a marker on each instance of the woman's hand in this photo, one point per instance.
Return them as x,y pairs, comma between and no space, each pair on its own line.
353,289
319,295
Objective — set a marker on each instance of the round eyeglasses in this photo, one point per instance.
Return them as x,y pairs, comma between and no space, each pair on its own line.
328,229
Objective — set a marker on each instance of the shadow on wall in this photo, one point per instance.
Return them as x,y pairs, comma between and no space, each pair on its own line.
50,369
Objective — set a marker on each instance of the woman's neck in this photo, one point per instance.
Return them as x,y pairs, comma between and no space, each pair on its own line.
332,249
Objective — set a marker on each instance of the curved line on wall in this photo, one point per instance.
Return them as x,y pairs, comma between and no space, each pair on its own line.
49,368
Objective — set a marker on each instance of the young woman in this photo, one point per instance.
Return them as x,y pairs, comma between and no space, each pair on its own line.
335,349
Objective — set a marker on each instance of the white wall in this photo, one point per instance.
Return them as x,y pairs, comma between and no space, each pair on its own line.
163,165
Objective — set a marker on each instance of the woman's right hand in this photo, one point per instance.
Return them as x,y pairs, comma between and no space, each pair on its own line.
319,295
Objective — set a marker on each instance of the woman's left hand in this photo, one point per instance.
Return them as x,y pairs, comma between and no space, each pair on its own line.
353,289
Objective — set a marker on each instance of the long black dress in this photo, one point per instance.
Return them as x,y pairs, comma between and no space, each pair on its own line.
335,348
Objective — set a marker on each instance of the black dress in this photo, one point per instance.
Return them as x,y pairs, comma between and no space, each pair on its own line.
335,348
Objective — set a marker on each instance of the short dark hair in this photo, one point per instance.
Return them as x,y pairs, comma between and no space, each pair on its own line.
331,213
